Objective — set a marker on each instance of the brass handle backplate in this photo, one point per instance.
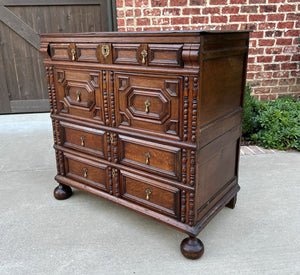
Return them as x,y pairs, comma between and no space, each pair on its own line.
144,54
73,52
111,138
148,193
147,155
113,172
85,172
82,141
105,50
147,105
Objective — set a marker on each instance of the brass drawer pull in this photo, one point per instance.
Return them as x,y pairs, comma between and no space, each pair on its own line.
147,155
144,54
147,104
82,141
111,138
78,96
148,192
113,172
73,52
85,172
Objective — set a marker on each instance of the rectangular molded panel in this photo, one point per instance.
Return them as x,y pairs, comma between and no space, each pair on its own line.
217,168
126,54
85,139
59,51
221,91
87,52
162,159
88,172
165,55
162,198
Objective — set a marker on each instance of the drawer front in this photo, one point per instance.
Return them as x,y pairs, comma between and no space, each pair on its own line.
129,54
87,52
61,51
165,55
79,94
149,156
86,171
85,139
149,193
148,102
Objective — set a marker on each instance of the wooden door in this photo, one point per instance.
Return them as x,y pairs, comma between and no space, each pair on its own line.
22,77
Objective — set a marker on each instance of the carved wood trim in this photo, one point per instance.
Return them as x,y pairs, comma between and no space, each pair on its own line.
105,99
183,205
185,108
112,98
191,211
184,170
116,183
49,89
194,108
108,147
115,147
110,183
192,168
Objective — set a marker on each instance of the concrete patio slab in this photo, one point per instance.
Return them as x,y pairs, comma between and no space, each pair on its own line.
87,235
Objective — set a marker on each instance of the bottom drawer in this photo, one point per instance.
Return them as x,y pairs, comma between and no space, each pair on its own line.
149,193
88,172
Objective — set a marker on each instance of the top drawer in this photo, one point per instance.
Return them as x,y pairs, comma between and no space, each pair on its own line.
167,55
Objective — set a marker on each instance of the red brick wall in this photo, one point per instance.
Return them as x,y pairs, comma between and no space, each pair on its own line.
273,65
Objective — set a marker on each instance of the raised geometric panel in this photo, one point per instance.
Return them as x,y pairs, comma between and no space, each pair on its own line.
148,104
172,127
80,94
95,80
172,87
123,83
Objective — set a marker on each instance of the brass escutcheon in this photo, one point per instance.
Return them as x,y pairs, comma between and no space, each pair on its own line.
147,155
73,52
82,140
148,192
78,96
144,54
111,138
147,104
113,172
105,50
85,172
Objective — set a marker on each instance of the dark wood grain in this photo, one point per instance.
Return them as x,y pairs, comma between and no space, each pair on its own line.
160,117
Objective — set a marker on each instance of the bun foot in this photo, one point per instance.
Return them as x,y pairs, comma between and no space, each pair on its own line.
62,192
232,202
192,248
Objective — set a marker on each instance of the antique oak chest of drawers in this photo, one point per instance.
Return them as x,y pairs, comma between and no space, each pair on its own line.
150,121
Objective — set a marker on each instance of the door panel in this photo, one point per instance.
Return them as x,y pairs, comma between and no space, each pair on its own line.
23,82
